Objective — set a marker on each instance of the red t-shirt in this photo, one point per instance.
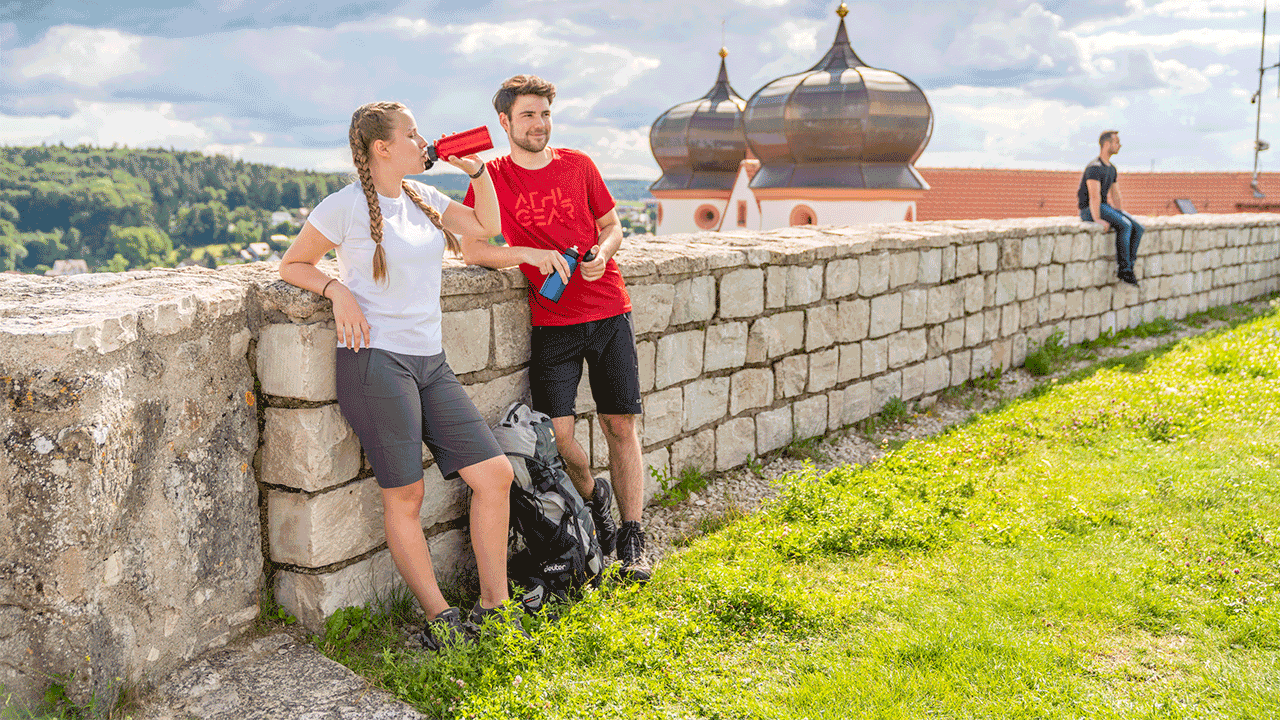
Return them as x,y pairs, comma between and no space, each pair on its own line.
556,207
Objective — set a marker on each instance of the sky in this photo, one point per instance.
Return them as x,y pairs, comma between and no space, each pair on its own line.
1012,83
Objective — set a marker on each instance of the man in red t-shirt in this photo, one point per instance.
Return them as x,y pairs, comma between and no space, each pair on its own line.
553,199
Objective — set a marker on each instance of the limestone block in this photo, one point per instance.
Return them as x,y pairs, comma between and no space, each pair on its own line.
679,357
749,389
973,331
297,361
953,335
774,429
313,598
790,375
735,442
886,314
308,449
811,417
948,264
698,451
939,301
695,300
823,369
705,401
974,289
930,267
663,415
494,397
850,363
915,304
651,306
842,278
775,282
726,346
1010,319
937,374
784,333
960,367
874,278
742,293
855,320
804,285
646,351
885,388
857,402
510,334
913,380
966,260
988,257
822,325
905,268
658,461
875,356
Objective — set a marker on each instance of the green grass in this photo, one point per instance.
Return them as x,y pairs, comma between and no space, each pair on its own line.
1109,548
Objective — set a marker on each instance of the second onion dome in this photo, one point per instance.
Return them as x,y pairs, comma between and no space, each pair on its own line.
839,124
700,144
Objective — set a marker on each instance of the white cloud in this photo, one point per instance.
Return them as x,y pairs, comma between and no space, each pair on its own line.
85,56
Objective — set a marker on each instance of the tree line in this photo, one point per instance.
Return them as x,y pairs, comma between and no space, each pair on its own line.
120,208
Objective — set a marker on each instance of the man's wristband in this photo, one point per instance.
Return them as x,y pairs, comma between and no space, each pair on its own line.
478,172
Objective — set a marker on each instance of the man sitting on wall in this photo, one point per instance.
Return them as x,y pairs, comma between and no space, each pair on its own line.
1099,199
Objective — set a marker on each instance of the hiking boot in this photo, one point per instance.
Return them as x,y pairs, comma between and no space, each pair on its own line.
631,553
506,615
447,629
601,507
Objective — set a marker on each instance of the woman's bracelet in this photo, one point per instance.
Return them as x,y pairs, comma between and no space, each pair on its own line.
325,289
478,172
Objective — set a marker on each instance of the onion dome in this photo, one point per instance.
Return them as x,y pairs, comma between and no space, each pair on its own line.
699,144
839,124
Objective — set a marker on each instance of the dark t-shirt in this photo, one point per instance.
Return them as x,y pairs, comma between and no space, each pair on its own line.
1105,174
556,207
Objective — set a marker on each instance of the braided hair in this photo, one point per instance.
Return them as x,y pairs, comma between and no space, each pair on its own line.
376,121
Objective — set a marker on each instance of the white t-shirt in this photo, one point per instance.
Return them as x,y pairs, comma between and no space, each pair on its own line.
404,310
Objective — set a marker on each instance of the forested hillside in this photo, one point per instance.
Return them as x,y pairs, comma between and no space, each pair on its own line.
119,208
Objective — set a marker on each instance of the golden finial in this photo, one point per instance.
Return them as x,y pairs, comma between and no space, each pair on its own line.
724,53
842,10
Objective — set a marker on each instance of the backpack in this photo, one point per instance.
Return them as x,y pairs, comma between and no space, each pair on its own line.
561,552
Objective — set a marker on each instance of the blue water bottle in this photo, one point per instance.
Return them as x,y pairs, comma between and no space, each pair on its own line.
553,287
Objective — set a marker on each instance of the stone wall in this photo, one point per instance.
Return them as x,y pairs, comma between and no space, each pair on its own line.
131,527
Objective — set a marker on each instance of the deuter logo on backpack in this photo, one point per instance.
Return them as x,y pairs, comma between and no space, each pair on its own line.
561,552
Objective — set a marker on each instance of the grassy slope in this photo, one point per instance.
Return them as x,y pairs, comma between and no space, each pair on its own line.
1108,549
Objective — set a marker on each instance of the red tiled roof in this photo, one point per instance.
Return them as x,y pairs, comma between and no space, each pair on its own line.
973,193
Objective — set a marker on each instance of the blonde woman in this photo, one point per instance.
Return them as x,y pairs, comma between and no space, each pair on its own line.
394,385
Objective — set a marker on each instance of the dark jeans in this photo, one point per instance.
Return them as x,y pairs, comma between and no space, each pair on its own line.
1128,233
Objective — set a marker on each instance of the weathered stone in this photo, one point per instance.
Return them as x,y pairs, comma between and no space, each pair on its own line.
651,307
309,449
679,357
466,339
774,429
695,300
742,293
750,389
297,361
726,346
735,442
705,401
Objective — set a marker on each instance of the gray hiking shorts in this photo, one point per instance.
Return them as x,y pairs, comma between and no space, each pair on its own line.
397,402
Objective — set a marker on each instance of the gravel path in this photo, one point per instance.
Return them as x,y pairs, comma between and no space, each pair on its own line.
743,490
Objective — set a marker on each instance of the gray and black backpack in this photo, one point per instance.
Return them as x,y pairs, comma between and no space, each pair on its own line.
561,552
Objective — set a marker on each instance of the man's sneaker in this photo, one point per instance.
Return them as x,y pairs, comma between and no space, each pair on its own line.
631,553
601,507
506,615
447,629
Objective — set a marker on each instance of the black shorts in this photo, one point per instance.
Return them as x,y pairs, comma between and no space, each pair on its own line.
556,353
397,402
